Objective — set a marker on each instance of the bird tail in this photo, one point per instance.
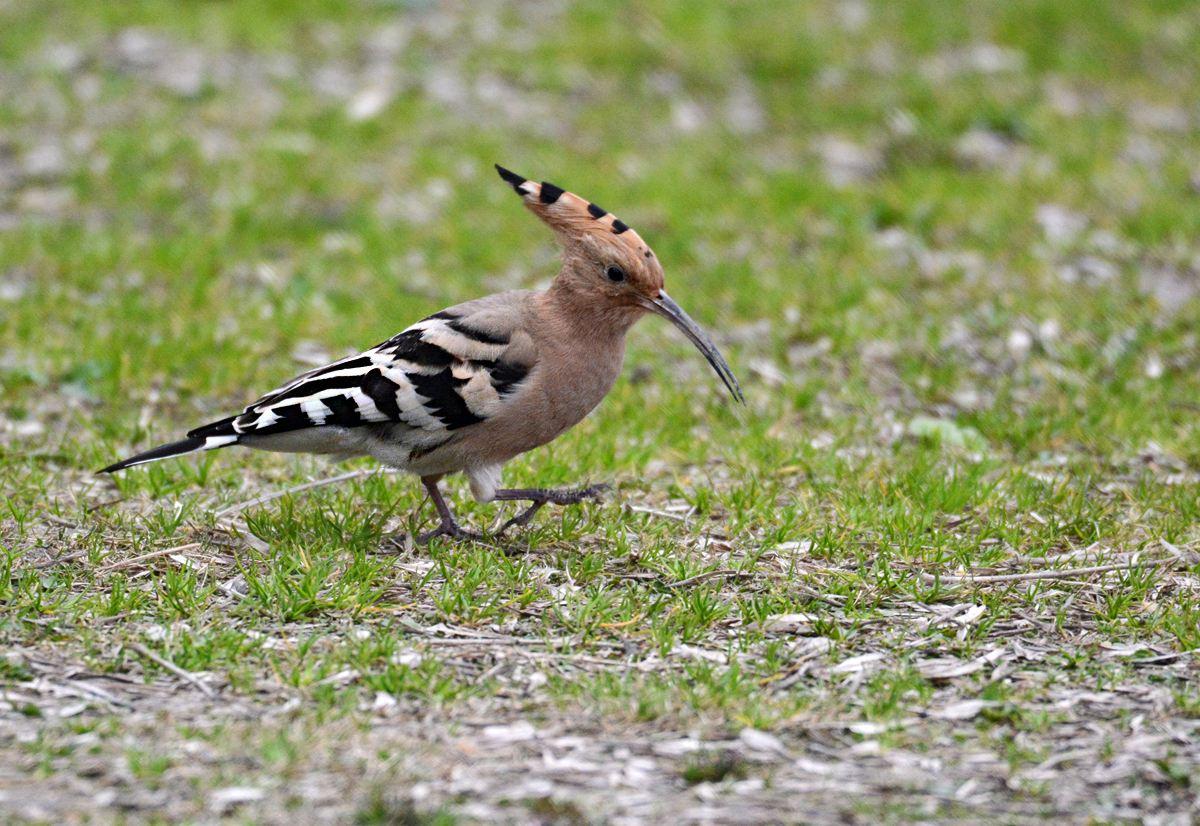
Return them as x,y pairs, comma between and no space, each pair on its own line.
209,437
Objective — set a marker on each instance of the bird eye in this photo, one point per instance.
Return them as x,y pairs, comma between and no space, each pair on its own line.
614,273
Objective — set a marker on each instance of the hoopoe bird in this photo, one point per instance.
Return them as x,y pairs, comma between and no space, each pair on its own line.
471,387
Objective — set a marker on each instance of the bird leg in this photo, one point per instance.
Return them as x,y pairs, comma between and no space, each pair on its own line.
447,527
543,496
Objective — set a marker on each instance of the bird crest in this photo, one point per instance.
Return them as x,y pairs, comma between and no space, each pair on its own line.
569,215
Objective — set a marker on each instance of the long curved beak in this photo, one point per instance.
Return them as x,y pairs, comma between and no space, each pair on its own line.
664,306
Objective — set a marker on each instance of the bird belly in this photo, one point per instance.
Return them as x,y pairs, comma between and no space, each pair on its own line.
344,442
400,447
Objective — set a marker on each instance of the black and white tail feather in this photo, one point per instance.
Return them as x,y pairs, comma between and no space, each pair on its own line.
189,445
449,371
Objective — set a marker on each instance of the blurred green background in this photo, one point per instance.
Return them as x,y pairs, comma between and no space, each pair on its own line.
983,210
933,239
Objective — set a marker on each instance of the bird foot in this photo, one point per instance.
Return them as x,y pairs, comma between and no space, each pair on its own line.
450,530
538,497
446,525
573,496
543,496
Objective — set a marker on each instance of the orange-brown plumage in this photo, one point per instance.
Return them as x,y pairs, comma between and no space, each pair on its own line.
467,389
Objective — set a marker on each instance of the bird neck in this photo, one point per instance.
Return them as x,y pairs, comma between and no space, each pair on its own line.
587,315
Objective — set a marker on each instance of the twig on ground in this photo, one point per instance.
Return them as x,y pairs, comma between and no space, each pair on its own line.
1067,573
174,669
111,618
480,641
89,509
1094,551
83,688
653,512
1186,555
279,494
720,573
129,563
58,560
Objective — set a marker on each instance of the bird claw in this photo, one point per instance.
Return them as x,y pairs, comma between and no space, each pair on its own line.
576,495
522,518
450,530
540,498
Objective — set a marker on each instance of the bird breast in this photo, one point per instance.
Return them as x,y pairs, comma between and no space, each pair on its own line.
565,386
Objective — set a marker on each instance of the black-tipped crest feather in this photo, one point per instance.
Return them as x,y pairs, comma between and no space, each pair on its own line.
511,178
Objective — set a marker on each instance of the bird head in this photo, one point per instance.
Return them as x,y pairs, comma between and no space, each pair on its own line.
608,265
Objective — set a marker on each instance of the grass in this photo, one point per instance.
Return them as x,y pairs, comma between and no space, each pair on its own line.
956,364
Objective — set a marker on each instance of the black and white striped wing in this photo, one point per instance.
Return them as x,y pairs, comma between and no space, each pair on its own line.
451,370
